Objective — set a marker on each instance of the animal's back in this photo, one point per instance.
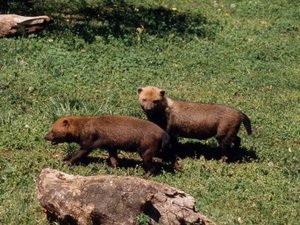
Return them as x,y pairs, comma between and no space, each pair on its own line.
123,132
198,120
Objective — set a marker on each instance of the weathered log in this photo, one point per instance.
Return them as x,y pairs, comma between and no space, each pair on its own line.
112,200
12,24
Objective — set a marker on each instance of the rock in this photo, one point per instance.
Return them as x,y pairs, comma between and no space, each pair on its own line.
113,200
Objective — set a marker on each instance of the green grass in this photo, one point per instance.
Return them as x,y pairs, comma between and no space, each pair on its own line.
244,54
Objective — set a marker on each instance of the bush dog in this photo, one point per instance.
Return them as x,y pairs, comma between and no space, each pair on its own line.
111,133
193,120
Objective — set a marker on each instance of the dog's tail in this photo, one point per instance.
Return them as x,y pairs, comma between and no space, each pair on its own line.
247,123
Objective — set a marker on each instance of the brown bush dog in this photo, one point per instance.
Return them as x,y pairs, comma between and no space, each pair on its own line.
111,133
193,120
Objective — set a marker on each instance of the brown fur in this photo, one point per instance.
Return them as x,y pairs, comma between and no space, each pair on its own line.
193,120
111,133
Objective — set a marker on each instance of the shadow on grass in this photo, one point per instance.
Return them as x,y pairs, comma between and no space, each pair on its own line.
120,19
197,149
184,150
126,163
122,162
114,18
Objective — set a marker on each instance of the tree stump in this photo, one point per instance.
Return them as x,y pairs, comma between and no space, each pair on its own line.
11,24
113,200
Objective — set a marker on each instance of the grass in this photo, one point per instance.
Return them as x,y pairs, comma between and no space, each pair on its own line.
244,54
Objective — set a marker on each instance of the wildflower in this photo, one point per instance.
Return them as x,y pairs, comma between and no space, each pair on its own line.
232,5
140,29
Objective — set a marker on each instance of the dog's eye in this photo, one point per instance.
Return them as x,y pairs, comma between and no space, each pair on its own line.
144,100
155,101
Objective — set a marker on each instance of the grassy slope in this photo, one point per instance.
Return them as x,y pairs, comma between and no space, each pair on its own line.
251,63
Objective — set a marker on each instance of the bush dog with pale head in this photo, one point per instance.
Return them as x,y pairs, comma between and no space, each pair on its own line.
111,133
193,120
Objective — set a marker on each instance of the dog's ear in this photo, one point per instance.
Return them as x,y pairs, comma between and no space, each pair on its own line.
140,90
66,123
162,93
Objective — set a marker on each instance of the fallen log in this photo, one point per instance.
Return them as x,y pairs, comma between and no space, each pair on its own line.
113,200
11,24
